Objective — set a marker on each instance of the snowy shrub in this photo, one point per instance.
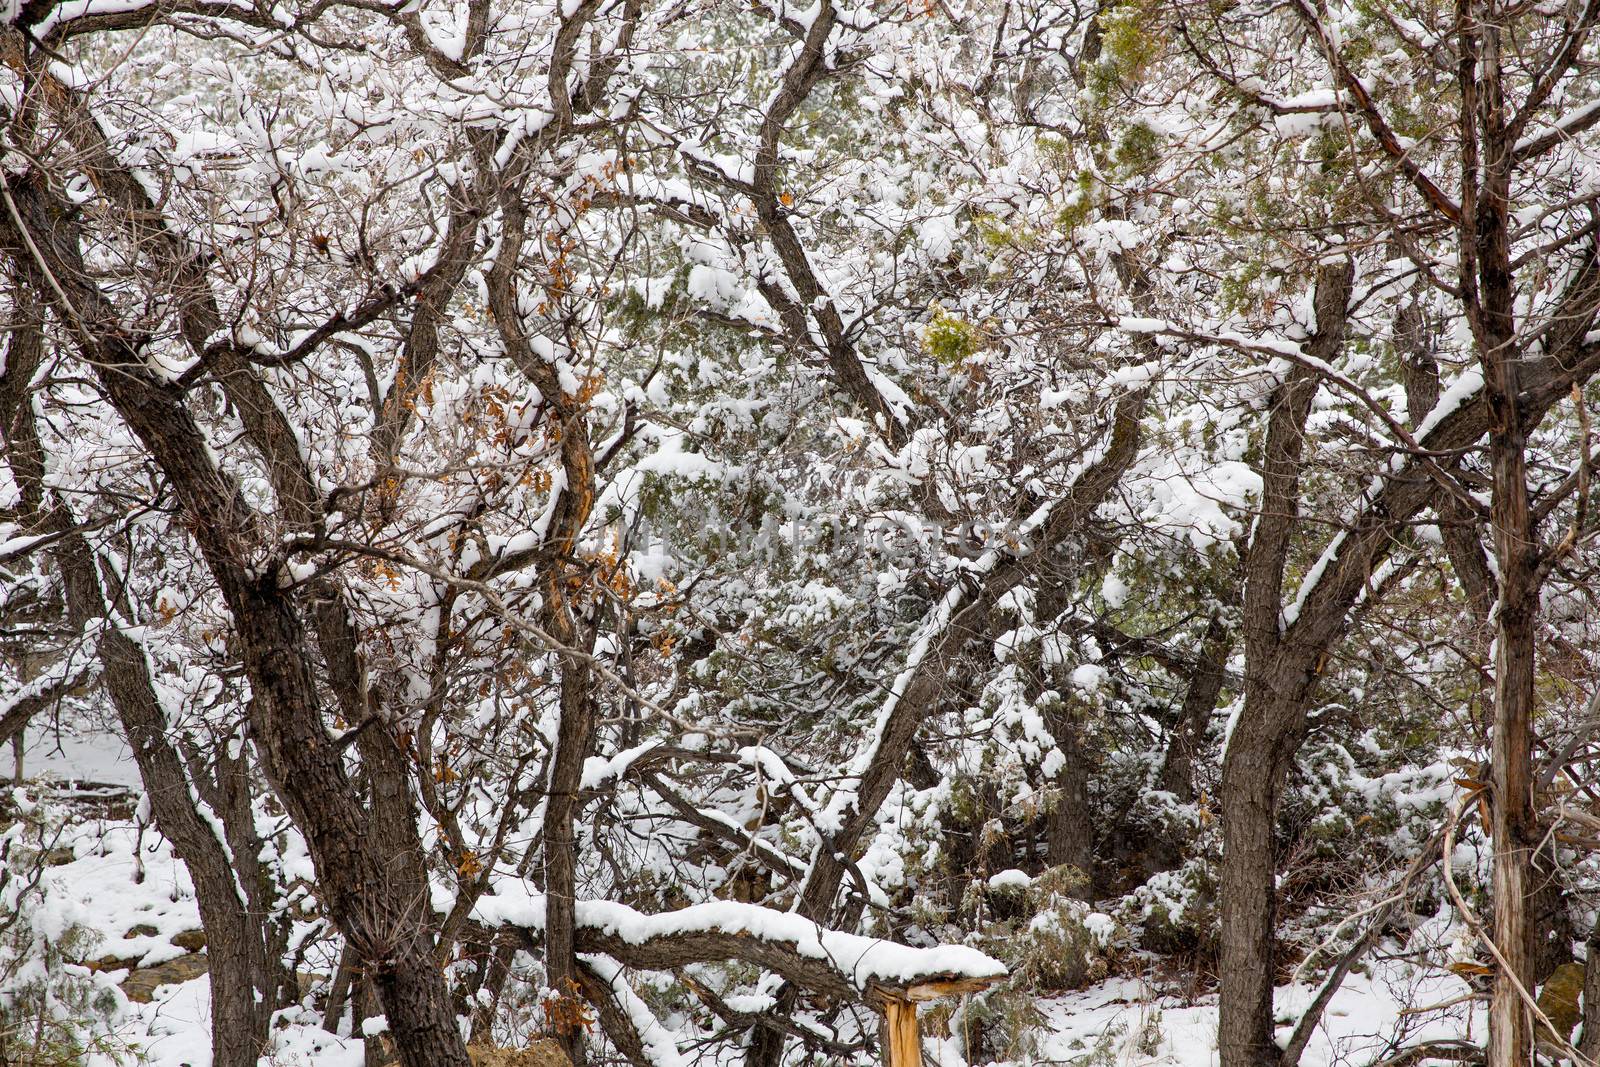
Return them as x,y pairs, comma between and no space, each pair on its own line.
1059,943
53,1012
1003,1024
1176,911
1059,950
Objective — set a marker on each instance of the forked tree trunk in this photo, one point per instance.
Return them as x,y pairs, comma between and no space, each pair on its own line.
363,875
239,973
1280,679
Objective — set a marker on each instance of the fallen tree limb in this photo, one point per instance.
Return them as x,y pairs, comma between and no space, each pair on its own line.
825,963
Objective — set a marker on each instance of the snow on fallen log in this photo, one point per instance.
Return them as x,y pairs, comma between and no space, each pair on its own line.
823,961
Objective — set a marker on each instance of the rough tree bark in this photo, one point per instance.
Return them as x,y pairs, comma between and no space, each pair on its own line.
370,881
1069,831
1589,1040
1458,526
1487,281
1280,676
1194,717
564,615
242,972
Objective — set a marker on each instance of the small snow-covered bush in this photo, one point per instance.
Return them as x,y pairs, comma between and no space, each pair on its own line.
53,1012
1059,949
1059,943
1175,911
1003,1024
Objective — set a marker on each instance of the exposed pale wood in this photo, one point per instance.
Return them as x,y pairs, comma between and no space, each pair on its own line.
948,987
904,1047
905,1039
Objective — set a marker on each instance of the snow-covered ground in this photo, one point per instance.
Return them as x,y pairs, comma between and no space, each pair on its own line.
136,897
1119,1023
74,754
1122,1022
1115,1024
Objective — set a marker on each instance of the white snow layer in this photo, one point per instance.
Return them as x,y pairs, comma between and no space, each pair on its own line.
862,960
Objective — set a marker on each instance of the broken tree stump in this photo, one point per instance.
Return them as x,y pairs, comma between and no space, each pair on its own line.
903,1047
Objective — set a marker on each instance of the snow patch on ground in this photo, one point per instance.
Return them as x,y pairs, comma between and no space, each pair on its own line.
75,755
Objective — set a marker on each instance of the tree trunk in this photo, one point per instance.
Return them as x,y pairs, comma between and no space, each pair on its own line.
239,973
1254,766
1589,1041
227,786
1515,826
363,876
560,851
562,613
1069,828
1194,717
1487,263
1458,526
240,961
1280,678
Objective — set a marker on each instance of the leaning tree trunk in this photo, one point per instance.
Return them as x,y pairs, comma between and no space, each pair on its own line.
241,968
239,973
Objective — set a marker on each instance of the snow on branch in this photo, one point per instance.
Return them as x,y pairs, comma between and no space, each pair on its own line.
820,960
